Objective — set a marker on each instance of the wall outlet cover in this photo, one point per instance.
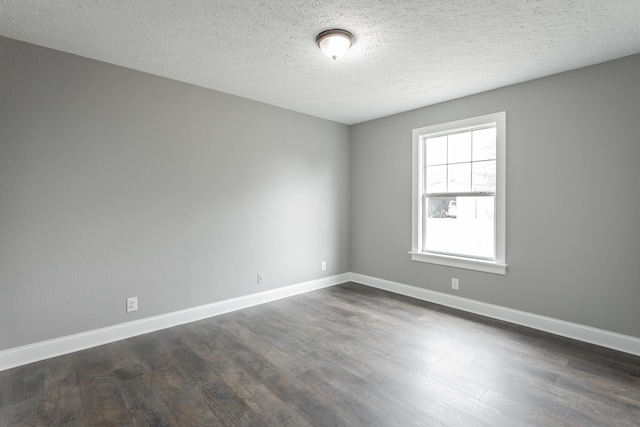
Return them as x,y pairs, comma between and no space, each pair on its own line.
132,304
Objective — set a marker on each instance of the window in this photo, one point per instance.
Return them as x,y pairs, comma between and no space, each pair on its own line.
459,194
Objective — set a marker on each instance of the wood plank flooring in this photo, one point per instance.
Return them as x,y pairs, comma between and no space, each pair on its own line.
343,356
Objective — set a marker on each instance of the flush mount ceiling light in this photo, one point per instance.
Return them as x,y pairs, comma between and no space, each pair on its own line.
334,43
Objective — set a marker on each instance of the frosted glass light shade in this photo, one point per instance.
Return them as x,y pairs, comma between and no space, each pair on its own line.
334,43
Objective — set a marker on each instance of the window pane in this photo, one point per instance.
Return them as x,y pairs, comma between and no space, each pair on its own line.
441,207
461,226
484,176
437,150
436,179
459,178
484,144
459,147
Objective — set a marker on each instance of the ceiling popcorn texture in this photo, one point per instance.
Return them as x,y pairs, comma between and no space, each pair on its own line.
407,53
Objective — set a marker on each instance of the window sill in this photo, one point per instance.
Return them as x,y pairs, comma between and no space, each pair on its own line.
459,262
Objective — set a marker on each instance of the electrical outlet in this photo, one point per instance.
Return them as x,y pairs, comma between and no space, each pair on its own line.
260,279
324,266
132,304
455,283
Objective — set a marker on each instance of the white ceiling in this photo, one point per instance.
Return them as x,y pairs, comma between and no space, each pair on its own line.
407,53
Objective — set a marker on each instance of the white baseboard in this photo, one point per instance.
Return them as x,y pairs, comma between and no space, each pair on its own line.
19,356
625,343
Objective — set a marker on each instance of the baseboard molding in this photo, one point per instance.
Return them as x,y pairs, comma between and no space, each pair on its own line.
19,356
24,355
613,340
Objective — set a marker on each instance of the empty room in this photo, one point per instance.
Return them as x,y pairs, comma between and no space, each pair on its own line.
319,213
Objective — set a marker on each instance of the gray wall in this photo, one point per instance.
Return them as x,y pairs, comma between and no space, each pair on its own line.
573,197
116,183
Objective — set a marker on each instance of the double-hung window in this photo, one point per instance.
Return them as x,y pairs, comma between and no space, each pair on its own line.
459,194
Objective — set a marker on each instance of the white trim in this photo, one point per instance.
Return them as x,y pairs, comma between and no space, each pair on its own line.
459,262
19,356
613,340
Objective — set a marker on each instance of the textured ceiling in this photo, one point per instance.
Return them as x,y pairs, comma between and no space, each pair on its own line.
407,53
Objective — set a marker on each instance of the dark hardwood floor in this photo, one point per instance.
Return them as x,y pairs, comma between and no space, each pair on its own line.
344,356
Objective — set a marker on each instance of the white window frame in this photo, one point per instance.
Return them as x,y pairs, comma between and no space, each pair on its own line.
497,266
